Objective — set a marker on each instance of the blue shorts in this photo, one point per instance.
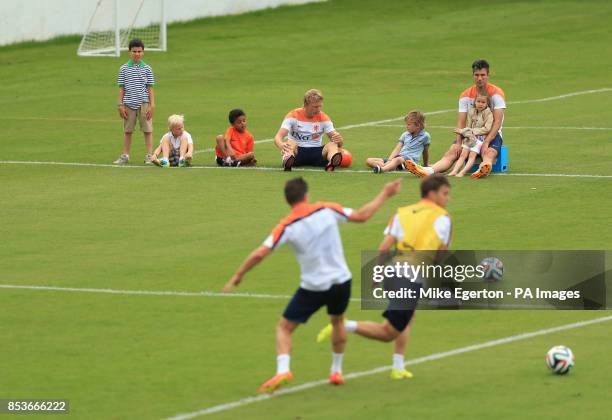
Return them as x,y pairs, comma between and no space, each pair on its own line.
310,156
304,302
399,318
496,143
401,310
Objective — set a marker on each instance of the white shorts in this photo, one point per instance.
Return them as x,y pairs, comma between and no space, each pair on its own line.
475,148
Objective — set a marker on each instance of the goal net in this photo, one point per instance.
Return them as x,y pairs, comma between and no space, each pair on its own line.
115,22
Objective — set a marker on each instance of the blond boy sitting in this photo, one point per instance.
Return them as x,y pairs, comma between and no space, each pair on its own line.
176,146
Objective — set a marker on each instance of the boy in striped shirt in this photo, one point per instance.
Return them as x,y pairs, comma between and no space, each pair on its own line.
136,100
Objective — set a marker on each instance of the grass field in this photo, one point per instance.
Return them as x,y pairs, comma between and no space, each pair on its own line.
125,356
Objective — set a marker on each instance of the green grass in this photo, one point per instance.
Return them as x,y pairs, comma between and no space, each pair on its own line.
126,356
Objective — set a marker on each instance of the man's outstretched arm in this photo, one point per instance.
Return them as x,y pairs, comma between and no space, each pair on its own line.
251,261
369,209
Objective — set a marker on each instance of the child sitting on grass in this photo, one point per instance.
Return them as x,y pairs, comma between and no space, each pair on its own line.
235,148
176,146
413,143
478,125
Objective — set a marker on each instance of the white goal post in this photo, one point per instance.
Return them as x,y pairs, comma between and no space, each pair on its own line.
115,22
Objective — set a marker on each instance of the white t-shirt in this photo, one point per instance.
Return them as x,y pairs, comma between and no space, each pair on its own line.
442,226
176,141
307,132
312,232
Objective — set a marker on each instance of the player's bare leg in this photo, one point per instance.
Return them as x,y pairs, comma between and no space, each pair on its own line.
374,162
398,370
338,340
182,151
451,155
284,329
166,148
377,331
289,156
460,162
468,164
247,159
333,156
393,164
488,157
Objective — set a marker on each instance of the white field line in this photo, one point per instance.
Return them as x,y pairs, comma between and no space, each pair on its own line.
513,127
444,111
150,292
225,295
412,362
276,169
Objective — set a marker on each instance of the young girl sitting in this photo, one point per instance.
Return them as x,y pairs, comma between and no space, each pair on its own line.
478,125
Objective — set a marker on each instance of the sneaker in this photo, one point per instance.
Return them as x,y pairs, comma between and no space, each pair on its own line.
181,163
334,162
377,170
324,334
336,378
483,170
148,160
236,163
275,382
288,161
418,170
401,167
401,374
164,163
123,159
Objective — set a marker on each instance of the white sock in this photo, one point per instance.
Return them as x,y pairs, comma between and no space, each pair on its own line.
428,169
398,361
282,363
351,326
337,362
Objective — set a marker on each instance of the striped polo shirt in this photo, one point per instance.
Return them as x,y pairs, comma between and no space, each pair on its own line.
135,78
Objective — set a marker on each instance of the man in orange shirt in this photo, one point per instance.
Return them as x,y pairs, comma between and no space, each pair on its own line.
235,148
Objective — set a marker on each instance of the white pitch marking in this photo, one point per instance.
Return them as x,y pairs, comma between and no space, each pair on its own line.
275,169
150,292
412,362
145,292
513,127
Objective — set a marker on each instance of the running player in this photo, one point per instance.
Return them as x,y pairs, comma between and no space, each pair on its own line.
425,225
312,231
304,128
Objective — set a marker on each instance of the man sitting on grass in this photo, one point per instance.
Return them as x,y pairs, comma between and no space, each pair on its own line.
492,143
304,128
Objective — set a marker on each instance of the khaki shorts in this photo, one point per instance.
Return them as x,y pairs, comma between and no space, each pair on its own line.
141,114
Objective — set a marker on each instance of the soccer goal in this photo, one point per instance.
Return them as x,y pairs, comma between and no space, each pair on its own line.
115,22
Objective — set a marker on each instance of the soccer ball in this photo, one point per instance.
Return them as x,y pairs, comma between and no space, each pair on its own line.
560,359
347,158
493,269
